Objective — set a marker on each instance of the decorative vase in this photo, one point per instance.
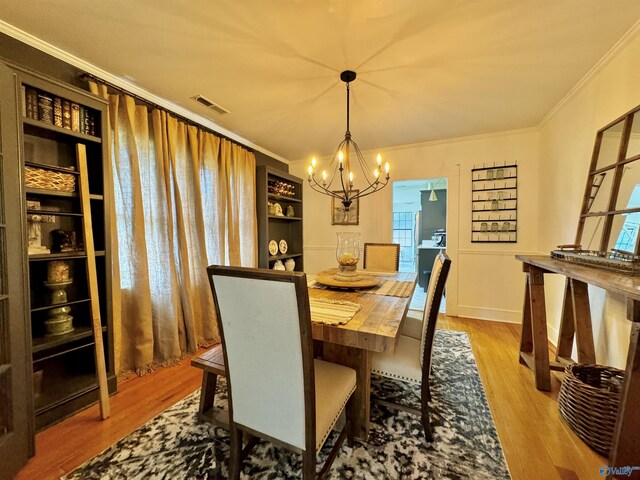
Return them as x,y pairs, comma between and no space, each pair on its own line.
290,211
347,255
290,264
278,265
59,322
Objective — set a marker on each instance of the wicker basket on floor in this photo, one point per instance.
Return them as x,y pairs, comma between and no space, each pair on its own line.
588,401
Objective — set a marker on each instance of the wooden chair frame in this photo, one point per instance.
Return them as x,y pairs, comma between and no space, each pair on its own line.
396,245
238,453
431,318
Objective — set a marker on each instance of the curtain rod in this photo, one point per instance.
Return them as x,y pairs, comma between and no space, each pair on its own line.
160,107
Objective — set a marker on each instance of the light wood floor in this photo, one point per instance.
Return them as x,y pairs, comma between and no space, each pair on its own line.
536,443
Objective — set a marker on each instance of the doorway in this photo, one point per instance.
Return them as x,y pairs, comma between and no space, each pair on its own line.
419,226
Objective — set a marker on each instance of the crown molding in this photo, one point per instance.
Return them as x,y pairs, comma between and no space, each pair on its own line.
430,143
631,34
85,66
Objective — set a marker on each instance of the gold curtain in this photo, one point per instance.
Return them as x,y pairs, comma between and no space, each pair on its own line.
183,199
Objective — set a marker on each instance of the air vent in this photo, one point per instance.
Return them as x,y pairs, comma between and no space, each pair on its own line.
209,104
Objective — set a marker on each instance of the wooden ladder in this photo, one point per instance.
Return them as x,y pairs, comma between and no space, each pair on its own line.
92,277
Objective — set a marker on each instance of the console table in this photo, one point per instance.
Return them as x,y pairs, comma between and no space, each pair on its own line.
576,322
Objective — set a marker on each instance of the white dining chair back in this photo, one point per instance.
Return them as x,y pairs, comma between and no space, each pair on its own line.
411,362
277,390
381,257
262,337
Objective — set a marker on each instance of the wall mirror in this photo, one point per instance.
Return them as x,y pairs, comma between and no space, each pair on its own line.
610,140
609,224
600,192
634,139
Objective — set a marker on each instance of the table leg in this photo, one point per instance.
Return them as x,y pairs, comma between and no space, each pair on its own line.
360,361
582,321
567,325
526,342
625,450
539,329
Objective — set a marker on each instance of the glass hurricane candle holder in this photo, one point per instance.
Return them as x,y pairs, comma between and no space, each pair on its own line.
347,255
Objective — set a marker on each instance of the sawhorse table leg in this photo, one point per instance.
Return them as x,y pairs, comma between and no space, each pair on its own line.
534,343
625,450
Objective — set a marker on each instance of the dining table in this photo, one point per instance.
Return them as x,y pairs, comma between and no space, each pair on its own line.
374,328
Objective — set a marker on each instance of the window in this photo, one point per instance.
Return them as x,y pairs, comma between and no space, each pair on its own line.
403,228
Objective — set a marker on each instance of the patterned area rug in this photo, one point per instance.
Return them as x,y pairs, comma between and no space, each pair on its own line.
175,446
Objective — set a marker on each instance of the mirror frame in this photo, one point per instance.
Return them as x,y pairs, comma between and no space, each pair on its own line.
617,168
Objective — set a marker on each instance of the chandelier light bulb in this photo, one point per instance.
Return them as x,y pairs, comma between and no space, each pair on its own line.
313,162
376,173
340,156
379,159
310,170
386,168
324,175
350,177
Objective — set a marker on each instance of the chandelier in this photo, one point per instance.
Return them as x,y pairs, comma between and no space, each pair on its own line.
340,184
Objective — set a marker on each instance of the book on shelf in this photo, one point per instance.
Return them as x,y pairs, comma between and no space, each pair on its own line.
31,103
83,112
57,111
87,127
23,93
66,114
92,125
75,117
45,108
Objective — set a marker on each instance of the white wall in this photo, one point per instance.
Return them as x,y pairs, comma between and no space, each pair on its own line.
485,280
566,143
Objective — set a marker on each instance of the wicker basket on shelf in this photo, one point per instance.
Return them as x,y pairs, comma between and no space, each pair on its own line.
588,401
49,179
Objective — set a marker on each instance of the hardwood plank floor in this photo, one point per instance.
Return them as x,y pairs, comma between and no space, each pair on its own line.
536,442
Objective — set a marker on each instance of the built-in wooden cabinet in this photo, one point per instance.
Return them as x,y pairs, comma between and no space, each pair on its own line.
48,136
279,211
16,411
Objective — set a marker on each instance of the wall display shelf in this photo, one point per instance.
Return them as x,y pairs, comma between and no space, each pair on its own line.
494,204
279,211
52,121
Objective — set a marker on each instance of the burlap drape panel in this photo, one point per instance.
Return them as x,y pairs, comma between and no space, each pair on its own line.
183,199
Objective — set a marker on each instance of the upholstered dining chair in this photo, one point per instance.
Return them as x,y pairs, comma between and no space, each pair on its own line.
381,257
276,390
411,361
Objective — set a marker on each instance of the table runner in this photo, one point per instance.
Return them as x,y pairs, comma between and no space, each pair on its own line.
332,312
392,288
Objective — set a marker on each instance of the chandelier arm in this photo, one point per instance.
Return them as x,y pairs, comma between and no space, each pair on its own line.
334,159
373,191
362,192
363,165
320,189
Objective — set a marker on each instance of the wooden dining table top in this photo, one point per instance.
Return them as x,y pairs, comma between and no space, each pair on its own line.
375,327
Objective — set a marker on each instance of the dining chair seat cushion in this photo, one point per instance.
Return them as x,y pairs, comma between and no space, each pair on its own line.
403,365
412,325
334,385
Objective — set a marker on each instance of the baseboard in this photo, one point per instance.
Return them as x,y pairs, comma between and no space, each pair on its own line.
491,314
552,335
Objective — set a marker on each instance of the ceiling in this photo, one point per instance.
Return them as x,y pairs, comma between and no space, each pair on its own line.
407,192
427,69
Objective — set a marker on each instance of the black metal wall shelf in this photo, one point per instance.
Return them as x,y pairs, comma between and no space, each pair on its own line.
484,179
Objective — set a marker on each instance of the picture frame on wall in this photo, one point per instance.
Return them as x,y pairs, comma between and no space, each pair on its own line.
340,217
